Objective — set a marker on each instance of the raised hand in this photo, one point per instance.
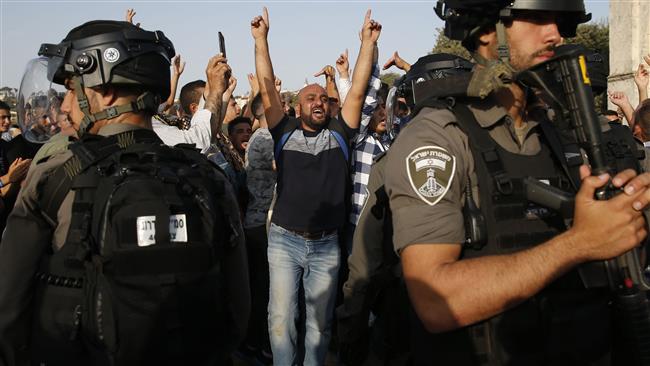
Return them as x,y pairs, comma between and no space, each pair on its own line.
218,74
642,76
178,66
130,13
343,64
619,99
371,29
255,86
398,62
260,25
328,71
232,84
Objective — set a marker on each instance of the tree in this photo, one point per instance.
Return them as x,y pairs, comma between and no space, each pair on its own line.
389,78
446,45
594,36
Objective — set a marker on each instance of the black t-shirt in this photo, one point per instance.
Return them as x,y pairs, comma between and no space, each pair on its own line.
313,176
18,147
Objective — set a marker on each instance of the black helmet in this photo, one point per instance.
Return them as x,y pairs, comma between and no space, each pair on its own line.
107,52
430,67
429,75
112,52
464,18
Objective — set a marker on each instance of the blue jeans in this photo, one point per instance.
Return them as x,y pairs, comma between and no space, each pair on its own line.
292,259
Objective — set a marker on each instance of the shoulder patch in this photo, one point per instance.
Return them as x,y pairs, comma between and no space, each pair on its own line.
430,171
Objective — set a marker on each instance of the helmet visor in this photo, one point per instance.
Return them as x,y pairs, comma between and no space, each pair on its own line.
39,103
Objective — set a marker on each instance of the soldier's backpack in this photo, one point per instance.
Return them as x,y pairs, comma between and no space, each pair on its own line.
139,279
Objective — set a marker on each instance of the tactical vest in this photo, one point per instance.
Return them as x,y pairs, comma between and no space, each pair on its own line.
560,325
139,279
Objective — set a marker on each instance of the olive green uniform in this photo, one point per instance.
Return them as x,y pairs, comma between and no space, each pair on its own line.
420,219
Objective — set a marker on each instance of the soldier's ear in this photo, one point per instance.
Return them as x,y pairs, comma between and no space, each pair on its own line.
108,95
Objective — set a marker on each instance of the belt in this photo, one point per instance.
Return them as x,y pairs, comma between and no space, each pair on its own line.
313,235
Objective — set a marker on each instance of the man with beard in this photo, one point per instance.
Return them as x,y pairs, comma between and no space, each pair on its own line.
519,296
312,158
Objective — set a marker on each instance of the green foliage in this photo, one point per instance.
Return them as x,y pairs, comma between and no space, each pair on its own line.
389,78
446,45
594,36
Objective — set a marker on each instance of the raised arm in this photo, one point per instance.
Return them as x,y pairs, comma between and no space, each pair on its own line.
264,69
620,100
218,75
351,111
344,83
330,81
398,62
225,98
130,13
178,67
641,79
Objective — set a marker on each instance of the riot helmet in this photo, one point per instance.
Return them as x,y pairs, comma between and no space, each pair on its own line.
423,80
103,52
464,19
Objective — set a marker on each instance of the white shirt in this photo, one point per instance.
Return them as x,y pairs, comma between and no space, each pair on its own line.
199,133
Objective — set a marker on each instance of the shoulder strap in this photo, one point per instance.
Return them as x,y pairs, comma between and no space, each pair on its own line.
342,143
283,141
86,152
483,147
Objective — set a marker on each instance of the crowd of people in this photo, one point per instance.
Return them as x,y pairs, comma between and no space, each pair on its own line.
346,244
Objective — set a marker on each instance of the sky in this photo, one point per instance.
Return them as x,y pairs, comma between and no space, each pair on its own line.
304,36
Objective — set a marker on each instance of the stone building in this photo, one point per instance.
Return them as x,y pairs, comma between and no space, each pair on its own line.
629,40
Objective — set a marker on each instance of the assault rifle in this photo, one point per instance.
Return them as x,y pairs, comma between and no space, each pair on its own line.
565,81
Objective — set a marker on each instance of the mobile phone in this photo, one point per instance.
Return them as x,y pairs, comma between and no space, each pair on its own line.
222,44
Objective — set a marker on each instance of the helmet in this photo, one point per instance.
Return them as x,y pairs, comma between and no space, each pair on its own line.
430,67
106,52
427,68
464,18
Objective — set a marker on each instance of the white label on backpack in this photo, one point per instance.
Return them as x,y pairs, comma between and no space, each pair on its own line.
178,228
146,230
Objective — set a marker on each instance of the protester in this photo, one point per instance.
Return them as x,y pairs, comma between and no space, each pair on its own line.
240,130
312,156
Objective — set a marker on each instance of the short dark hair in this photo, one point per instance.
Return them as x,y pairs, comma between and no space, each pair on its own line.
610,112
5,106
642,117
190,94
236,121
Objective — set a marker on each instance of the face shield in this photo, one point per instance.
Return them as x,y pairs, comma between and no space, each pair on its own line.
399,103
39,103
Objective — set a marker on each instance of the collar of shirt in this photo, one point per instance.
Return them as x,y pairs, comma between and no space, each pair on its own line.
115,128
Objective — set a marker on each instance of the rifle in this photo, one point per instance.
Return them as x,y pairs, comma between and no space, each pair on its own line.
565,81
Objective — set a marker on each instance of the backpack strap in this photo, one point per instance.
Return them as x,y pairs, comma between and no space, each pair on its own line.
342,143
484,147
86,152
283,141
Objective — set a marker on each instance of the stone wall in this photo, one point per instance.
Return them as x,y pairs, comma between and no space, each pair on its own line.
629,40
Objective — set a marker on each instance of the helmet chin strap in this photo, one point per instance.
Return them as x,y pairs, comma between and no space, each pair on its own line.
503,51
146,101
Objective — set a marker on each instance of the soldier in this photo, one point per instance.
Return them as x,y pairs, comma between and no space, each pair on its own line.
116,252
519,299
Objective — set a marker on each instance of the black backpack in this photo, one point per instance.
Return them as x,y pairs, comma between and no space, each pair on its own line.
139,279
